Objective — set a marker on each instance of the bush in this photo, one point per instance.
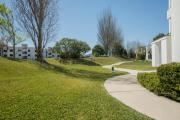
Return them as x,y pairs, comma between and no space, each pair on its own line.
169,76
166,82
149,81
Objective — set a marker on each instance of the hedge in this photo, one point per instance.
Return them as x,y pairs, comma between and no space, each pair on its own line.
165,82
169,76
149,81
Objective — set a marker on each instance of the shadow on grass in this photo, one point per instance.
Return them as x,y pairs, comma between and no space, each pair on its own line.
80,61
77,73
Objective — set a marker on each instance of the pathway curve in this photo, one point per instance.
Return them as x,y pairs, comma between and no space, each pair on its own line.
127,90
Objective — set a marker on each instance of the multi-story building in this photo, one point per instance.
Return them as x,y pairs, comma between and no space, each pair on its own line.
167,49
25,52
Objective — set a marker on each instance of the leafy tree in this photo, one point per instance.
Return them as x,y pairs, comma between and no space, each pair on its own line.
119,50
98,50
8,29
160,35
132,54
71,48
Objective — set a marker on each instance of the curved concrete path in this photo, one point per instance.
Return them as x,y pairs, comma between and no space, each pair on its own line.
127,90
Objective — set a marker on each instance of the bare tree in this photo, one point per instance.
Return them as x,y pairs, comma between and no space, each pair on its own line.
108,31
38,18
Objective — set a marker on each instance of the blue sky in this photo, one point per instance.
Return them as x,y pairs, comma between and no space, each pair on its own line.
139,19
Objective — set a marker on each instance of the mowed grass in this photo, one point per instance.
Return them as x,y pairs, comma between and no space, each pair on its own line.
54,91
137,65
106,60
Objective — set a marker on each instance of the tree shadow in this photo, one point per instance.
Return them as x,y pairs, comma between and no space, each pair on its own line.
76,73
80,61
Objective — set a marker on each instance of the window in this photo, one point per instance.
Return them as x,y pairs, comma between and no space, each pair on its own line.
29,55
29,50
11,55
49,53
5,50
11,50
5,55
19,50
24,53
19,54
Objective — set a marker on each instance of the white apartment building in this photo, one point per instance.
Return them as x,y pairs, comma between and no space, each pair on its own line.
25,52
167,49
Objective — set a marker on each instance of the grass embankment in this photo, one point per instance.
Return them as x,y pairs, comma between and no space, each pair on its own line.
106,60
137,65
29,90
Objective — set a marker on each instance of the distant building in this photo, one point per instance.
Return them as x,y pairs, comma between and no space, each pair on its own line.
167,49
25,52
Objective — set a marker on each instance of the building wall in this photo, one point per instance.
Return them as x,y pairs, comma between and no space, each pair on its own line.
166,50
25,52
156,54
161,51
174,19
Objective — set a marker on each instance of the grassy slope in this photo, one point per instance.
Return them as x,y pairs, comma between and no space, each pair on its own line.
32,91
106,60
137,65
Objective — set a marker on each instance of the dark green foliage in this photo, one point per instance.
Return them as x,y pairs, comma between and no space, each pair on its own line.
149,81
141,56
166,82
98,51
119,50
169,76
71,48
160,35
131,54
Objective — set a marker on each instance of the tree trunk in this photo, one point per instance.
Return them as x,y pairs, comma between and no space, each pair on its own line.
14,48
39,54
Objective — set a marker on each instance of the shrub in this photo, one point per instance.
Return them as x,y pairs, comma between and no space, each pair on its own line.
149,81
165,82
169,76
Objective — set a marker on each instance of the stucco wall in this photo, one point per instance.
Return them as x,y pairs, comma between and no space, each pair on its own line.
156,54
174,13
166,52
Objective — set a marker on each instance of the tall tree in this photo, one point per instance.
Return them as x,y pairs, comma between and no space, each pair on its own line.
39,19
108,32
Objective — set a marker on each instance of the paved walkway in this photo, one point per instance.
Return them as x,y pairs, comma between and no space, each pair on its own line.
126,89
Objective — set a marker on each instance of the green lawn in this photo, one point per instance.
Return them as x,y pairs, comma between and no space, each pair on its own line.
106,60
53,91
137,65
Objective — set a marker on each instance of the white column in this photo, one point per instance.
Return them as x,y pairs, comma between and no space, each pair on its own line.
156,54
147,53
